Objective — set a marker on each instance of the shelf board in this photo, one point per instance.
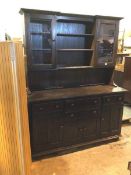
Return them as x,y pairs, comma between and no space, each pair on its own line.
77,50
74,67
40,33
75,35
41,49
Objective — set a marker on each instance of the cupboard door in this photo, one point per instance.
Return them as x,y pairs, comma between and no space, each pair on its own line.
55,130
39,132
116,118
105,121
46,131
41,41
111,119
70,128
107,33
88,125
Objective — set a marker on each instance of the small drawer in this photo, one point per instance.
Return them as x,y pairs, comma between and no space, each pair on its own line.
75,104
109,99
113,99
48,106
120,98
94,101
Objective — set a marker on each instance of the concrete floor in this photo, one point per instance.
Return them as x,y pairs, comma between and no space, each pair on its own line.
108,159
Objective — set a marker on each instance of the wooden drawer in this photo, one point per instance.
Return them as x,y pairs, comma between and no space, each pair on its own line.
113,99
74,116
120,98
82,104
94,101
75,104
48,106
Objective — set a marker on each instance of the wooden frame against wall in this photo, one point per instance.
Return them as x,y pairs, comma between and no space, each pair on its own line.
15,156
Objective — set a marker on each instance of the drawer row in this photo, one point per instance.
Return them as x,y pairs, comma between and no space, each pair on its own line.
76,104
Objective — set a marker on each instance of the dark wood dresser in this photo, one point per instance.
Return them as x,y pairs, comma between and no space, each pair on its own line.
70,61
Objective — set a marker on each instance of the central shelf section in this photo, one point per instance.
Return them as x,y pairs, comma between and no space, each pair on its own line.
74,43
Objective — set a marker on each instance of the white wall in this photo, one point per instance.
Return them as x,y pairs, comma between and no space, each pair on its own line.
11,21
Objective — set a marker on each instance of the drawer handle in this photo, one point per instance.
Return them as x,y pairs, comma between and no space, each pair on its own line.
57,106
120,98
41,108
95,101
72,115
108,99
72,104
94,112
102,119
61,126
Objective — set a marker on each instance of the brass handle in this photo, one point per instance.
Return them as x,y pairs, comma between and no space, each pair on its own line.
94,112
95,101
72,104
120,98
108,99
72,115
57,106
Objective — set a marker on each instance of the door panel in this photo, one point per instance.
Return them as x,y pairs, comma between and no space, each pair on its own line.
88,125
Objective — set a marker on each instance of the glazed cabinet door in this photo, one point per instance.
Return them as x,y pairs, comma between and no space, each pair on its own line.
41,41
106,42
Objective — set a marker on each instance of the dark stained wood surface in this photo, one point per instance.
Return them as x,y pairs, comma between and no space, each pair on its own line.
74,92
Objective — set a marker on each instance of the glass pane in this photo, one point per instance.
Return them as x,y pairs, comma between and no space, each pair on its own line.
41,57
41,42
44,26
106,43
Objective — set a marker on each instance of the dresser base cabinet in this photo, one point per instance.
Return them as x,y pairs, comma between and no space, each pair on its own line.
67,124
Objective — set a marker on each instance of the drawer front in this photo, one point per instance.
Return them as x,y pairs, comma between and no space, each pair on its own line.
48,106
94,101
82,104
75,104
76,116
113,99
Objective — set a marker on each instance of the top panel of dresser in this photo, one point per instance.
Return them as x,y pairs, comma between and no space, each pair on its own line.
74,92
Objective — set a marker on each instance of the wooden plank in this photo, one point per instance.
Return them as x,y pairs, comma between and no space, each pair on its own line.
15,156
